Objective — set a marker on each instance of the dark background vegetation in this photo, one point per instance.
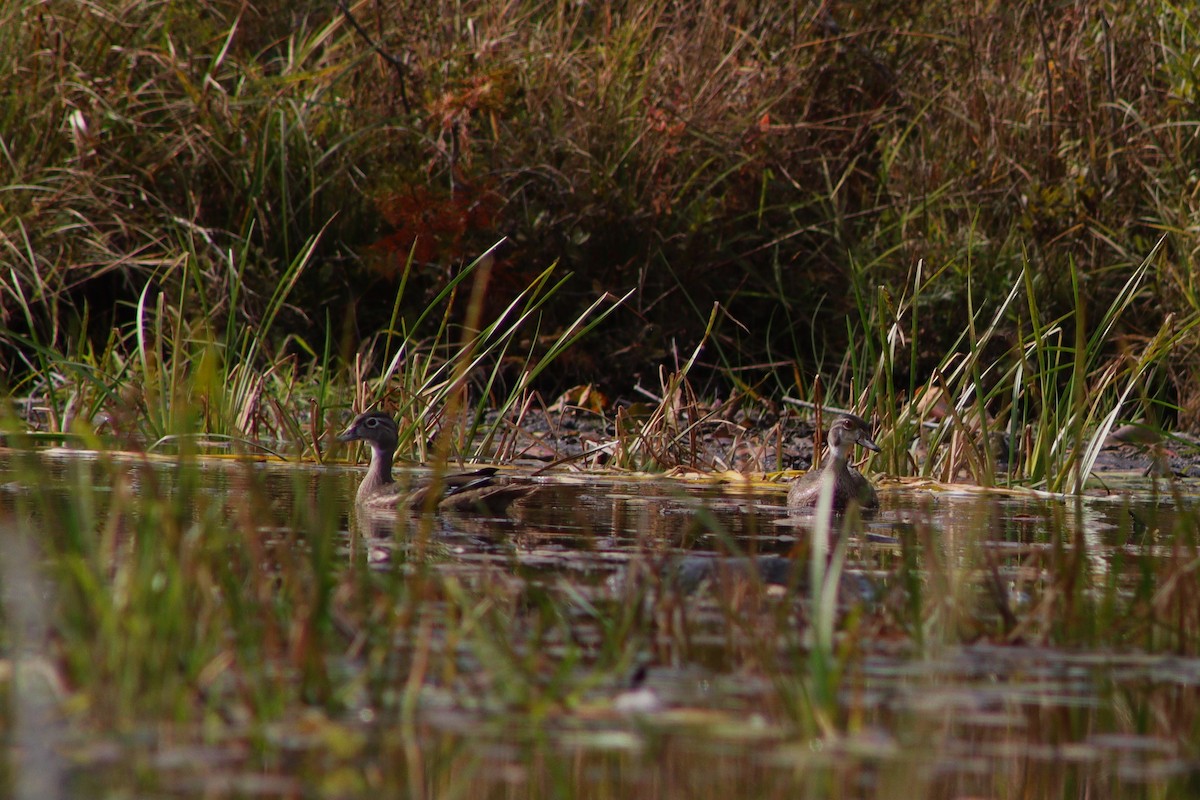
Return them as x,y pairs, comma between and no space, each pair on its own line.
781,160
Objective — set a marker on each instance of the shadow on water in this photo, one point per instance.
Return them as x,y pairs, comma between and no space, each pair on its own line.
648,637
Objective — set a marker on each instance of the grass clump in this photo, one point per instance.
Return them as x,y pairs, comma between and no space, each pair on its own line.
1020,398
782,166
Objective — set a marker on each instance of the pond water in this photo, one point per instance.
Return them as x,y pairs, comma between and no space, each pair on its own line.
624,637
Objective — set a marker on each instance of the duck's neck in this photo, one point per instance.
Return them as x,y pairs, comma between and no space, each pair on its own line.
378,474
838,455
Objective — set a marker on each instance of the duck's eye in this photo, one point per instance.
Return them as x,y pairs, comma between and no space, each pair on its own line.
372,423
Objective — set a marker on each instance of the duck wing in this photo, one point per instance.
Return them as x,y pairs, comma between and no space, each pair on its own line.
805,489
493,499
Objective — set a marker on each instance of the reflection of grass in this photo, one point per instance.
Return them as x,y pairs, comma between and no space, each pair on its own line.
176,608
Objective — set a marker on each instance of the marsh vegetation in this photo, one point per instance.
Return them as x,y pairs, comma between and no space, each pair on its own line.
635,252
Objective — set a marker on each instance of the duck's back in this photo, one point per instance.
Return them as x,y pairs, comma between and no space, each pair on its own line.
848,485
475,491
804,490
863,489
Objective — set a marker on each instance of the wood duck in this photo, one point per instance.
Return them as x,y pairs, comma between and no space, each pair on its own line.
468,491
848,483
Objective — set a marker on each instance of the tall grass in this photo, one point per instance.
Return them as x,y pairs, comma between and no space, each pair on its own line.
777,155
428,381
185,134
776,164
1032,397
199,211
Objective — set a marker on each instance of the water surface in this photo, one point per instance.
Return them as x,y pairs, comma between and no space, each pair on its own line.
650,637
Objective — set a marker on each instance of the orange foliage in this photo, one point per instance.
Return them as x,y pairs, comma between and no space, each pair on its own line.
434,226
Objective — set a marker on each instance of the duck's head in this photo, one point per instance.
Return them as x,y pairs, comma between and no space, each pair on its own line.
847,431
375,428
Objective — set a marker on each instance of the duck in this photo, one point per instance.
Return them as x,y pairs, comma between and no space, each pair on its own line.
477,490
849,485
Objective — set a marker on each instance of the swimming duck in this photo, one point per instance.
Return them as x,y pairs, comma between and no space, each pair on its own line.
468,491
848,483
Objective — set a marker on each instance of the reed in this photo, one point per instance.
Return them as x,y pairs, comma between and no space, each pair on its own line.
1019,399
905,209
781,166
